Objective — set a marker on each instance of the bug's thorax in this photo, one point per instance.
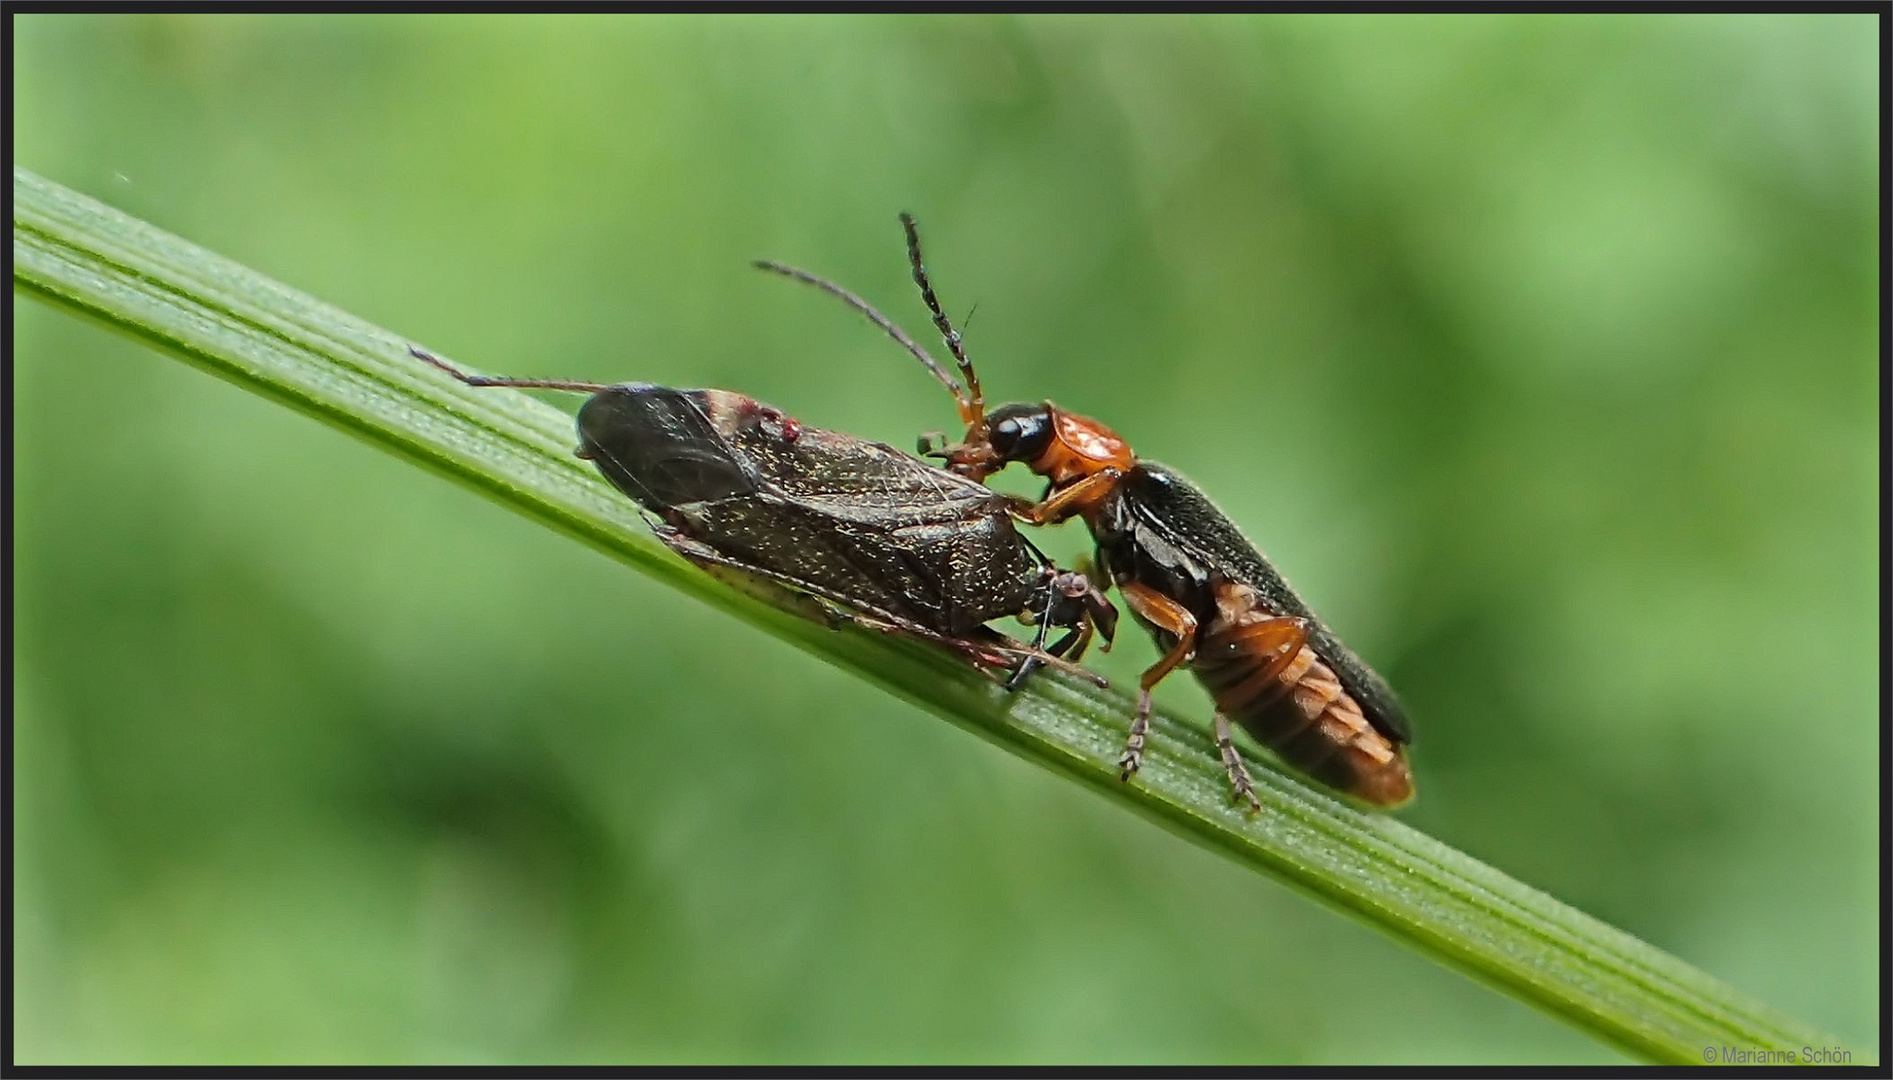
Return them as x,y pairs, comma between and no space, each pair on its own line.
1080,447
1083,460
732,412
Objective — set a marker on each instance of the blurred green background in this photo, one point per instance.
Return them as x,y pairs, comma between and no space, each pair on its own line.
1540,352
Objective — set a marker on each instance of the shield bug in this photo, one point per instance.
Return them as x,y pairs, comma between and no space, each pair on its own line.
736,485
1206,594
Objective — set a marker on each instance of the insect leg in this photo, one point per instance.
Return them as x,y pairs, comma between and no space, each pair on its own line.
688,546
1280,639
1072,646
1239,778
1103,612
1044,621
1080,606
1063,504
989,649
1096,615
1174,619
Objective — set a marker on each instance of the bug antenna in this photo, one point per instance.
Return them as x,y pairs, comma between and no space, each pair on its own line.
875,317
973,409
520,384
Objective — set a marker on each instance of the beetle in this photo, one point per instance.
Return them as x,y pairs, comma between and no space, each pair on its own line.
894,542
1204,591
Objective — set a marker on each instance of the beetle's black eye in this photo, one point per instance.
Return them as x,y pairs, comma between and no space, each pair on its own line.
1005,437
1018,432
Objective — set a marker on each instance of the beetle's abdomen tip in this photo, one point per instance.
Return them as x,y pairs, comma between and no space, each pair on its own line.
1387,787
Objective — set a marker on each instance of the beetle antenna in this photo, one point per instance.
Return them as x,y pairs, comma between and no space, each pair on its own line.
974,408
521,384
875,317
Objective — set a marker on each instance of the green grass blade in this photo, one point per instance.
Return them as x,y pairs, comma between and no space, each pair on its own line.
235,323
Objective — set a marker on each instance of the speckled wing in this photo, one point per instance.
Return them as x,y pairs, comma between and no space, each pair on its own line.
944,543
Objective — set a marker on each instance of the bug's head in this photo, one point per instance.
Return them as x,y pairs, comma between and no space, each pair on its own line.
1017,432
1061,446
1020,431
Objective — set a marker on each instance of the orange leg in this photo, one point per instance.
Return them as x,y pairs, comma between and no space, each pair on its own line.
1072,500
1281,639
1174,619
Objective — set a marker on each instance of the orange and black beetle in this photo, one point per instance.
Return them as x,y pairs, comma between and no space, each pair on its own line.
1206,594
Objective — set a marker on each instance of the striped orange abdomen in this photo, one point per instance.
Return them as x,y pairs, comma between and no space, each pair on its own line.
1302,714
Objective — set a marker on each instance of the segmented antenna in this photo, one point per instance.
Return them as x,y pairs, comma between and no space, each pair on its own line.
974,408
875,317
521,384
